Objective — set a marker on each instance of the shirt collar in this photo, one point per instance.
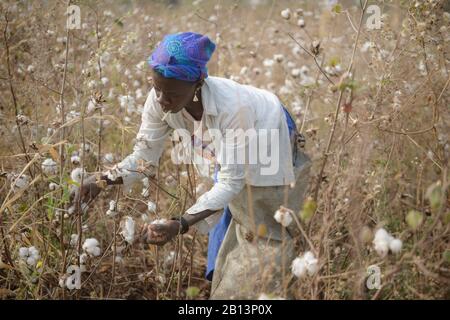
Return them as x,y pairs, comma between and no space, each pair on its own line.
208,99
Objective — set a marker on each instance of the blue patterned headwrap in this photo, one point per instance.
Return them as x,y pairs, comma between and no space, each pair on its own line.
183,56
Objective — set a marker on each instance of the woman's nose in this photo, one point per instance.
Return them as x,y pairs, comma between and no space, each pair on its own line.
162,99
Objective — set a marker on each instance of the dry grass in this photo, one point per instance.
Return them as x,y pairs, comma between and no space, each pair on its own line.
378,139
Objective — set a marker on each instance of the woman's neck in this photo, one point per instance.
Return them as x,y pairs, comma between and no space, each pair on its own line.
195,108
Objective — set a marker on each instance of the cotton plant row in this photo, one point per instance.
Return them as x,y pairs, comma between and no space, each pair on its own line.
307,264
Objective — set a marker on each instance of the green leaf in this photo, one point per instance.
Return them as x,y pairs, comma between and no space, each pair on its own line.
414,219
192,292
433,194
446,256
337,8
309,208
118,22
334,61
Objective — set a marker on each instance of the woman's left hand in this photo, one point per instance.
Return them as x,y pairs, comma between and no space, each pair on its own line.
160,233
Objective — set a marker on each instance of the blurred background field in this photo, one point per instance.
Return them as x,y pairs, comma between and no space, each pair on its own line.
378,137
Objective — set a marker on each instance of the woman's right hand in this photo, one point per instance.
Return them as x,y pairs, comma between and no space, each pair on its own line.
88,193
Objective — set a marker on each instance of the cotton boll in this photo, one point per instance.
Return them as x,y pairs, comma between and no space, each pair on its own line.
396,246
73,240
311,263
151,206
298,267
91,246
95,251
75,160
77,173
128,229
381,234
145,218
23,252
32,251
278,58
90,242
18,182
301,23
283,216
70,283
109,157
62,282
112,211
31,261
52,186
104,80
286,14
169,259
381,247
83,258
71,210
112,205
49,166
382,242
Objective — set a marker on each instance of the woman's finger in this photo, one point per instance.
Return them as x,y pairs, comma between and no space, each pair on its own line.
159,227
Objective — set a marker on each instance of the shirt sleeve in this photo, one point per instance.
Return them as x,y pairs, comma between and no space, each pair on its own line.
149,143
232,175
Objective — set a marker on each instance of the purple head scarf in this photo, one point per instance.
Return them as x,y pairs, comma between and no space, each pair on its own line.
183,56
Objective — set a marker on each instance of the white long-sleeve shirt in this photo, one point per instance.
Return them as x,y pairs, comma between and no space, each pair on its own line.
227,106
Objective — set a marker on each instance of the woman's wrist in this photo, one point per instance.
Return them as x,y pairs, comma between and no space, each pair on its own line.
184,225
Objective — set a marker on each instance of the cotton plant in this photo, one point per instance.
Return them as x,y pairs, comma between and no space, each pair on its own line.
112,211
283,216
91,247
52,186
151,206
77,174
83,207
307,264
384,242
119,257
286,13
108,158
146,187
49,166
75,159
18,182
74,240
128,229
30,255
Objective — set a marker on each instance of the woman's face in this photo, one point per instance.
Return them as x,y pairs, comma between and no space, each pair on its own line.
173,94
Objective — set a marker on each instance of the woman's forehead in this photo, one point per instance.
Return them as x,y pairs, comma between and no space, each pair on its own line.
163,82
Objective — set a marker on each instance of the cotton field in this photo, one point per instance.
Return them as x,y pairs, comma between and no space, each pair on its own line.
367,83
